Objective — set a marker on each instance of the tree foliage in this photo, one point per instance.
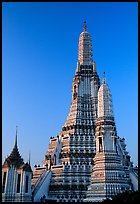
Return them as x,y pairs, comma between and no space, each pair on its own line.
125,197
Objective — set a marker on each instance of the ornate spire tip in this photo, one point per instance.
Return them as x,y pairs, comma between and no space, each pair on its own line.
16,136
29,158
85,26
104,79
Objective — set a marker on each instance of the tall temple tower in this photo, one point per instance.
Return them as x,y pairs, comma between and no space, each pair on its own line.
73,164
70,154
69,169
109,176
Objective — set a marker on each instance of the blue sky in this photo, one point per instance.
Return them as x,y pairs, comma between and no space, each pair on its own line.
39,56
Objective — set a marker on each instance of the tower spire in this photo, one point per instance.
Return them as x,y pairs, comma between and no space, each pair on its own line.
85,26
105,105
85,53
104,79
16,136
29,158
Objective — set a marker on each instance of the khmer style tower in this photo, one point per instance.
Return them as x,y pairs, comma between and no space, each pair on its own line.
73,165
109,176
69,169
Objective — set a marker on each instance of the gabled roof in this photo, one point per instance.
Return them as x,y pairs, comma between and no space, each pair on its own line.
15,159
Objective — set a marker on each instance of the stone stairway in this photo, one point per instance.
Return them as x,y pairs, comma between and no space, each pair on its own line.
38,171
41,186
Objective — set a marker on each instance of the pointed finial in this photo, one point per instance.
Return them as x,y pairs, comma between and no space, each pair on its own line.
29,158
16,136
104,79
85,26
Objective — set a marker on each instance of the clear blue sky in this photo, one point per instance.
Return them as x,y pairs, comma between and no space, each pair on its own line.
39,56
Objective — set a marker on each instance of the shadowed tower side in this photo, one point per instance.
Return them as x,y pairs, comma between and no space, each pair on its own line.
109,177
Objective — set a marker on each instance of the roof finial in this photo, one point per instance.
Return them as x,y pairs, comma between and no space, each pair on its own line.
29,158
104,79
85,26
16,136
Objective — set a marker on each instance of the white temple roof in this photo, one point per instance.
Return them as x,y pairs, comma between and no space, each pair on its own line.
105,106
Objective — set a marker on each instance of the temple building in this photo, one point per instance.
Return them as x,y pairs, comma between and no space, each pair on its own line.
16,178
87,160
